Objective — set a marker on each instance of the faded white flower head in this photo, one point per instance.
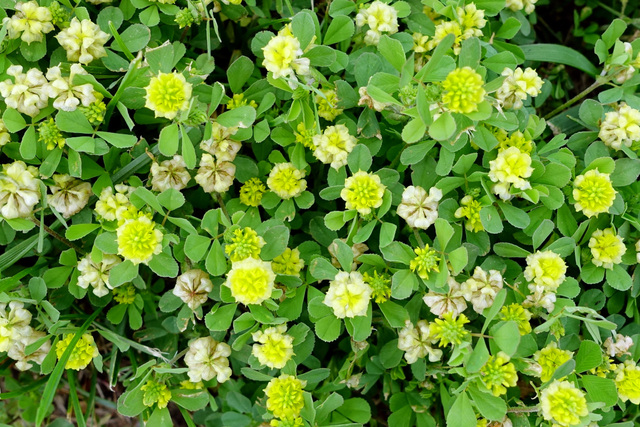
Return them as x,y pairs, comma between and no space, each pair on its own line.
17,352
221,145
69,196
83,40
451,302
208,359
96,274
30,22
481,288
193,288
169,174
418,208
68,97
14,325
620,347
539,298
348,295
417,342
215,176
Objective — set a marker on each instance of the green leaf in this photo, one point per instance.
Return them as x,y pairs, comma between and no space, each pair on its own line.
239,72
73,122
600,389
135,38
458,258
168,142
341,28
509,28
160,417
443,127
196,246
142,196
618,278
509,250
478,358
277,239
554,53
122,273
216,262
392,51
321,269
78,231
490,219
37,288
171,199
591,112
221,318
491,407
188,151
29,146
321,56
356,409
34,51
119,140
444,232
359,159
403,283
164,265
395,314
626,172
507,337
589,356
516,217
461,412
328,328
13,120
242,117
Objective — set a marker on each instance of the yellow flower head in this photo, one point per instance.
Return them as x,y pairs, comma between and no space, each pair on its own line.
334,145
110,206
251,192
348,295
511,166
284,396
443,29
518,140
304,136
50,135
470,210
289,422
517,85
251,281
124,294
607,248
563,404
363,191
628,382
239,101
450,329
498,374
244,244
139,240
593,192
82,354
167,94
328,104
282,57
289,262
420,43
188,385
379,17
518,314
273,347
380,286
471,19
545,269
425,262
620,127
550,358
155,392
287,181
463,90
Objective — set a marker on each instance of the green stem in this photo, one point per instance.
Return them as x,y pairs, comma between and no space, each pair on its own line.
599,82
58,236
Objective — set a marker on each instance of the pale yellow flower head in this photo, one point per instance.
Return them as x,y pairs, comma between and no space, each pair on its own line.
418,342
66,95
273,347
251,281
593,192
30,22
14,325
110,206
19,190
283,58
527,5
5,136
155,393
471,20
380,18
607,248
516,139
208,359
348,295
139,240
442,30
563,404
519,314
334,145
168,94
481,288
545,269
620,127
517,85
26,92
328,104
82,354
511,167
286,180
363,192
284,396
83,40
463,90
